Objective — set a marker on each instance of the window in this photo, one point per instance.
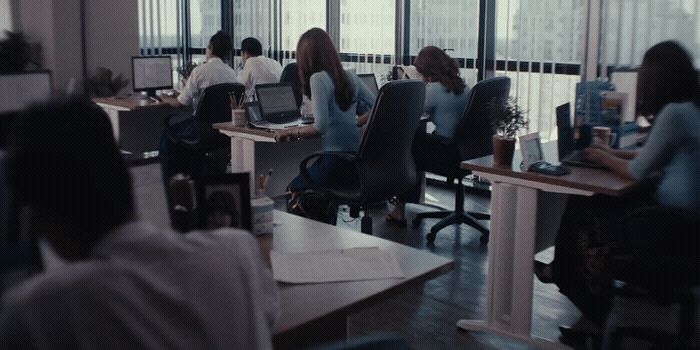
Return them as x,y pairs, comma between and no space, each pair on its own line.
5,17
205,21
452,25
298,16
252,18
159,25
633,26
367,27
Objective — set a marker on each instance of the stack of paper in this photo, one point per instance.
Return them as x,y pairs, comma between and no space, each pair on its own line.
354,264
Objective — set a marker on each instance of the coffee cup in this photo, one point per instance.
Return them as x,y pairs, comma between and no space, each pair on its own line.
239,118
603,135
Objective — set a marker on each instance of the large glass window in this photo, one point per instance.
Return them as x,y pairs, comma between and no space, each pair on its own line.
205,21
452,25
252,18
633,26
298,16
159,24
5,17
367,26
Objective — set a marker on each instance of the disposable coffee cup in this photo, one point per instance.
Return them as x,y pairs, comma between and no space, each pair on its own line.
238,117
603,135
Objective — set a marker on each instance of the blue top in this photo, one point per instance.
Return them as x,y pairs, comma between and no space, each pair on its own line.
445,108
338,129
673,149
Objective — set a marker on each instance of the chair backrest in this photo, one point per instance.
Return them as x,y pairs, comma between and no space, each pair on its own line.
215,107
290,74
474,131
385,154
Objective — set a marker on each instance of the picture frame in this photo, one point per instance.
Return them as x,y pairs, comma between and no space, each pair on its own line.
226,202
531,149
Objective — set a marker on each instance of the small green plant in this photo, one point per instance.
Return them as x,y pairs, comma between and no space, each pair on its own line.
507,117
103,84
18,55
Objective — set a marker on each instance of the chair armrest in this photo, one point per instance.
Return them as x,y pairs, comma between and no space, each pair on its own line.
349,157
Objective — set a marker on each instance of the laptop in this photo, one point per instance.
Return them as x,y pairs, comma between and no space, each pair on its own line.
278,107
371,81
569,152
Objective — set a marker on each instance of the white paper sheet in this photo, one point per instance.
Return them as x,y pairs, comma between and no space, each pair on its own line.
354,264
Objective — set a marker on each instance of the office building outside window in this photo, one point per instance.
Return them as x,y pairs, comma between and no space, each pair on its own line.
367,36
205,21
298,16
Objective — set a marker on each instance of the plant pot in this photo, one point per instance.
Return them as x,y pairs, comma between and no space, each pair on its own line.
503,149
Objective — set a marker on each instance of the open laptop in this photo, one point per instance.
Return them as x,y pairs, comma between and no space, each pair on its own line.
371,81
278,107
569,153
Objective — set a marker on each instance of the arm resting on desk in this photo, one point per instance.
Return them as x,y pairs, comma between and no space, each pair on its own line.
616,164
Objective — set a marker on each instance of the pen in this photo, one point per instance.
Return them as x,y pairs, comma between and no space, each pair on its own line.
269,174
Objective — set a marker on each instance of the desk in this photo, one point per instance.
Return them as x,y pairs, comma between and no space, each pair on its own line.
522,207
312,313
255,151
137,123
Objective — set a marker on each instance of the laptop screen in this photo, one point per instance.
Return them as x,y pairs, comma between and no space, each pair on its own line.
277,101
371,81
565,132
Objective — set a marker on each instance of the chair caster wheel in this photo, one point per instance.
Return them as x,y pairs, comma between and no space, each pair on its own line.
430,237
484,239
366,225
415,223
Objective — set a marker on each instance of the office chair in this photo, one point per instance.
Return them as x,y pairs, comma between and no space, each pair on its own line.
191,146
290,74
384,161
472,140
657,264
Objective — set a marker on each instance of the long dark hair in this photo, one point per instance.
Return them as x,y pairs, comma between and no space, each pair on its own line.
666,75
316,53
435,65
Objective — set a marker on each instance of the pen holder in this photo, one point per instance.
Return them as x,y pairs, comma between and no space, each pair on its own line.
263,215
238,117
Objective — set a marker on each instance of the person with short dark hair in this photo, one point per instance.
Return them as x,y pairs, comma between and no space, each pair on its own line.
215,71
257,69
126,284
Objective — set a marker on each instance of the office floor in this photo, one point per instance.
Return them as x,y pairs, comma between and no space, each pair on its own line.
425,316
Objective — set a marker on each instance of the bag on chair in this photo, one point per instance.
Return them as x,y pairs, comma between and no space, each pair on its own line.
313,205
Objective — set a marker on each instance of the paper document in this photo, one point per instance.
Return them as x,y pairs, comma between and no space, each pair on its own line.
354,264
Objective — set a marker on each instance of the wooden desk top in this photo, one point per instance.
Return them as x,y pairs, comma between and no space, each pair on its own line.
583,179
304,303
129,103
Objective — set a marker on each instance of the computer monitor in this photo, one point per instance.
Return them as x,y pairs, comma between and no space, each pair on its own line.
151,73
277,102
626,82
21,90
371,81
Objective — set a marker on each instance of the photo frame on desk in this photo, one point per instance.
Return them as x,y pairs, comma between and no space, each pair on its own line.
226,200
531,149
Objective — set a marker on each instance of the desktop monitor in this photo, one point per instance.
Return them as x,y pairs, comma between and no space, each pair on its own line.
151,73
371,81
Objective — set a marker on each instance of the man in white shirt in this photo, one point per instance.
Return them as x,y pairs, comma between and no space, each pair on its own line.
213,72
127,285
257,69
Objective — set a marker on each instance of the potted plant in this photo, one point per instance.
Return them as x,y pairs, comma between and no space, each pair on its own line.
104,84
507,117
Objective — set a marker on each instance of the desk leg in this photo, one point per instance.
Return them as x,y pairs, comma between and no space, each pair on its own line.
510,256
243,159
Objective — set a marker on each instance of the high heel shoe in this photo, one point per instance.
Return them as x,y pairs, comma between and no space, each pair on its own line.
540,272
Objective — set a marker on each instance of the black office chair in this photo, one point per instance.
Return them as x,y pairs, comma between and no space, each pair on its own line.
290,74
472,140
384,161
194,147
658,264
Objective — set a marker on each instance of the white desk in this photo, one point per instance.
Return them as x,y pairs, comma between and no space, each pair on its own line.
255,151
525,209
314,313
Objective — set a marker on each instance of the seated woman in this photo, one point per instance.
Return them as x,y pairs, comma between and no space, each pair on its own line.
446,97
667,168
337,98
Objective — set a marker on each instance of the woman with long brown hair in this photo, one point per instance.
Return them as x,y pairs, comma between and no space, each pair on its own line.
667,168
337,97
446,97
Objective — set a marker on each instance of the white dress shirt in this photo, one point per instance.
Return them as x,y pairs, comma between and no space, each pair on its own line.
214,72
146,289
259,70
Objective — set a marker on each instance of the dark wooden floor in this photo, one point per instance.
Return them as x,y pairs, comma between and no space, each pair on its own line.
425,316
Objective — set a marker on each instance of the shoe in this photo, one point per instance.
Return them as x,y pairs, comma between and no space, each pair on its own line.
392,220
539,272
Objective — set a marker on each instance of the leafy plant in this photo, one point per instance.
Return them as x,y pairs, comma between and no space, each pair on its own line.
103,84
507,116
18,55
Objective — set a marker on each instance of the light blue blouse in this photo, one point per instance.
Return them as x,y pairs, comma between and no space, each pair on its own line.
445,108
673,149
338,128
